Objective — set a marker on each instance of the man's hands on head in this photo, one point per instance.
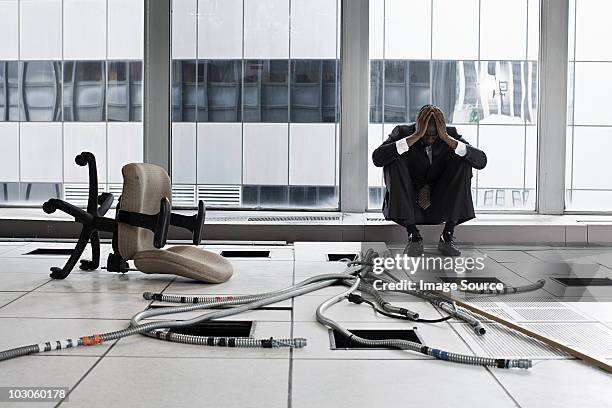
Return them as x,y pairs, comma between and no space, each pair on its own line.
438,116
422,121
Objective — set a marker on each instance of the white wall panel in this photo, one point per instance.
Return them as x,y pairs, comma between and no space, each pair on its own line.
377,28
266,29
531,157
125,29
375,138
9,152
593,30
503,29
455,29
41,152
40,30
220,29
265,153
592,146
533,30
84,137
125,145
312,154
184,32
219,153
313,29
183,153
84,29
592,93
407,29
504,147
468,132
9,30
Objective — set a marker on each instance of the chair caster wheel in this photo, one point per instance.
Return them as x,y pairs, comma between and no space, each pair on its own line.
87,265
48,207
58,273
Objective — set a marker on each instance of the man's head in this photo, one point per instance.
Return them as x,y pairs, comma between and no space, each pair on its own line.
431,134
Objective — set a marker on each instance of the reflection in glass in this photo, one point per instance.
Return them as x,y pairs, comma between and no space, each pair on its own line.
84,91
41,91
184,91
9,91
219,93
124,91
266,91
376,93
407,88
314,91
39,192
455,90
313,196
265,196
508,92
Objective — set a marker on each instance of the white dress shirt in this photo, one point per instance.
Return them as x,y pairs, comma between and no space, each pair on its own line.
402,147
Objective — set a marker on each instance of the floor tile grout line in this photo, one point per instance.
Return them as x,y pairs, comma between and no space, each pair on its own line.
486,368
26,293
503,387
86,374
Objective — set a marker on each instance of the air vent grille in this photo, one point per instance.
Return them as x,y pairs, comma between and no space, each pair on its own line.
219,195
375,219
115,190
76,194
295,218
183,195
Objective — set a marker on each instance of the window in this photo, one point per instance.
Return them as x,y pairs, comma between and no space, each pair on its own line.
482,72
70,80
255,103
589,132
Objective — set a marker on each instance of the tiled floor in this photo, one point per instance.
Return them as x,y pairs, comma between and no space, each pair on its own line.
143,372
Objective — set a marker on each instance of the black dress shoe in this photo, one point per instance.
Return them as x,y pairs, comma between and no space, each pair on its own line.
415,246
447,246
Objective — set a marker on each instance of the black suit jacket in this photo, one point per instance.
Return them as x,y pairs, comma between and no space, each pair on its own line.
387,153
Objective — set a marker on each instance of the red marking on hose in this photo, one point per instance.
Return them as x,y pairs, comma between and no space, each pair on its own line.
91,340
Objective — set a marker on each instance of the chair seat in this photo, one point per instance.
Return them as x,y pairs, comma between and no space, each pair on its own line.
188,261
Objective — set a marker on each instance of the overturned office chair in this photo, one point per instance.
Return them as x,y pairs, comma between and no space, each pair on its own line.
140,227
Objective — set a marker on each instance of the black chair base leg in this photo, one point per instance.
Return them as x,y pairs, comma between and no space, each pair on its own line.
62,273
95,254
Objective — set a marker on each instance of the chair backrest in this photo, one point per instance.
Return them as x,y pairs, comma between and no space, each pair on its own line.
144,185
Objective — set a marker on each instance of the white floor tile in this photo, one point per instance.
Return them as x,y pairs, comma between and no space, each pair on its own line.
101,281
7,248
147,382
438,335
21,281
43,371
237,285
558,383
141,346
414,383
6,297
75,305
307,269
19,332
509,256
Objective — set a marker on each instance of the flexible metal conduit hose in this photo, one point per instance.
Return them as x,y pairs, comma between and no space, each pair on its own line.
449,307
241,305
410,345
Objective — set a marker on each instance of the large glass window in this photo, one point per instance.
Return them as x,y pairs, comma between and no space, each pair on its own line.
255,103
70,81
476,60
589,132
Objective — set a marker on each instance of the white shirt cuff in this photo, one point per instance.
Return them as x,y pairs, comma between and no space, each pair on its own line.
461,149
402,146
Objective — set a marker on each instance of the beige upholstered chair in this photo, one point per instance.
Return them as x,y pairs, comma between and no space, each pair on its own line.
140,227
